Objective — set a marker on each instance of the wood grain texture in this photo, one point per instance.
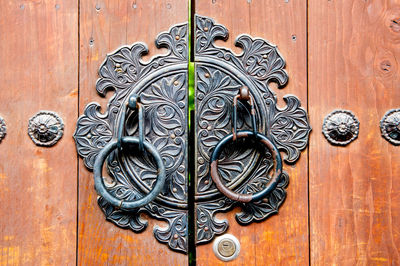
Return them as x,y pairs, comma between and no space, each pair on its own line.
281,239
354,190
111,24
39,59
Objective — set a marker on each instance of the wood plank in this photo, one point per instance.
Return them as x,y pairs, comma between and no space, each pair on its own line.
111,24
354,190
39,60
283,238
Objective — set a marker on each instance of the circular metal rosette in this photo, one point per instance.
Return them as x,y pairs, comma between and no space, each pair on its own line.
3,129
341,127
45,128
390,126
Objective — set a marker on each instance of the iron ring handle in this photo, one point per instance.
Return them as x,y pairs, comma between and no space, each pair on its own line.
274,180
98,174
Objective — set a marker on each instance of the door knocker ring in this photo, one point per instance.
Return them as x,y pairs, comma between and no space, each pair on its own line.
274,180
144,146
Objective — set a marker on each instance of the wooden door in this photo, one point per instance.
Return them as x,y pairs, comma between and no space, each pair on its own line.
354,191
104,27
343,202
51,53
39,189
283,238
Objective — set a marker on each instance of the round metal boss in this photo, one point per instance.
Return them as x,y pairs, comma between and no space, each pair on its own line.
390,126
226,247
341,127
45,128
3,128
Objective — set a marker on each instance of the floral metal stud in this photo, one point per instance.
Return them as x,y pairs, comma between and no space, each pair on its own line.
3,129
390,126
45,128
341,127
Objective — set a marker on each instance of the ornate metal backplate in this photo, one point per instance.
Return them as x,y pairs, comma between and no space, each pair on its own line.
45,128
390,126
162,86
341,127
219,75
3,129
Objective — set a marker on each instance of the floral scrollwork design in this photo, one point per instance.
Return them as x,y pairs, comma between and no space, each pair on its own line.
93,132
289,127
243,167
161,84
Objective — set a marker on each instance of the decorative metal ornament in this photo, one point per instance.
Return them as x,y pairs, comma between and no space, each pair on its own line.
242,169
45,128
3,129
341,127
390,126
161,85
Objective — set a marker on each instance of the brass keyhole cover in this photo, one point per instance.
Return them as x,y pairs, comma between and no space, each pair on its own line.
226,247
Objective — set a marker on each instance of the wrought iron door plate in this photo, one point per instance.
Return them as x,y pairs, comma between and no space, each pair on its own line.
219,75
162,86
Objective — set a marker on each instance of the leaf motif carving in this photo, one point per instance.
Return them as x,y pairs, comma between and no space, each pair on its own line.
219,75
93,132
207,226
123,68
207,32
261,210
175,235
262,60
289,127
165,112
122,218
161,84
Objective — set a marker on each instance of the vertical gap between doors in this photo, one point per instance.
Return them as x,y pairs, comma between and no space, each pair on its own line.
308,146
77,156
191,142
